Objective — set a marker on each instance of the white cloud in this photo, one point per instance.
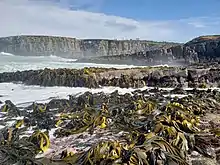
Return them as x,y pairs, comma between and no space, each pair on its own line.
50,18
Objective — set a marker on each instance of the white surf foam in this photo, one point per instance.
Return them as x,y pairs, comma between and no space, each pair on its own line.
12,63
23,95
61,59
6,54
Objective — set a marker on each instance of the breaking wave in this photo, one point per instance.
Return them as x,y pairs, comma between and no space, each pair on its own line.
6,54
11,63
54,57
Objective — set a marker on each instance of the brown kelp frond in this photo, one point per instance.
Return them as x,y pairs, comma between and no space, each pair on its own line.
41,140
102,153
75,123
159,150
16,150
117,129
10,108
144,107
154,150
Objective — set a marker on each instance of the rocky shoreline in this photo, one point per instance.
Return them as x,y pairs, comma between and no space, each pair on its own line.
193,76
112,128
150,125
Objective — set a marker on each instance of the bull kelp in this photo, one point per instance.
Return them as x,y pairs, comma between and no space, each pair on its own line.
143,127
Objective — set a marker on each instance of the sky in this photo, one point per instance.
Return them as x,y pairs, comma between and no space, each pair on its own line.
160,20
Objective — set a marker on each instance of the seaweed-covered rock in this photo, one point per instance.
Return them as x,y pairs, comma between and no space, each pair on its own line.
124,78
125,126
10,108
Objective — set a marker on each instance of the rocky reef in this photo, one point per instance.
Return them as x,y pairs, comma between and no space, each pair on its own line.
142,127
193,76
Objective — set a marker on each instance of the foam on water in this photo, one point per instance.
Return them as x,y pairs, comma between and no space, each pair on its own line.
12,63
23,95
20,94
6,54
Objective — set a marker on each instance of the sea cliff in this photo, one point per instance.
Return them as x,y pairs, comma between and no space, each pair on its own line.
72,47
199,50
136,52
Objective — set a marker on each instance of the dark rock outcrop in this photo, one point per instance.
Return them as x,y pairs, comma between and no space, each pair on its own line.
124,78
207,48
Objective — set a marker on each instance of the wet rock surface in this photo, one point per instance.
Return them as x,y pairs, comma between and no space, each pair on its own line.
125,78
81,125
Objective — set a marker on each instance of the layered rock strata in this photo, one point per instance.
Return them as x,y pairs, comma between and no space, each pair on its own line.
74,48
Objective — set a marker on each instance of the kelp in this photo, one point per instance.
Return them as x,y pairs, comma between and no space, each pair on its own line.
10,108
41,117
80,122
174,123
154,150
14,149
41,140
155,131
90,77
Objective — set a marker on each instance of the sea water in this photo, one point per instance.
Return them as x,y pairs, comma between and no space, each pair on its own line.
20,94
12,63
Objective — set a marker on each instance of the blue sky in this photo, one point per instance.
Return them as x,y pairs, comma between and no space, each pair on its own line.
155,9
161,20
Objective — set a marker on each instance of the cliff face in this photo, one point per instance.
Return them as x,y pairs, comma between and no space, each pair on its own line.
137,52
71,47
201,49
207,48
39,45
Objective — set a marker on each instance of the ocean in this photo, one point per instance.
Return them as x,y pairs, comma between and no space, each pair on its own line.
19,93
12,63
23,95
